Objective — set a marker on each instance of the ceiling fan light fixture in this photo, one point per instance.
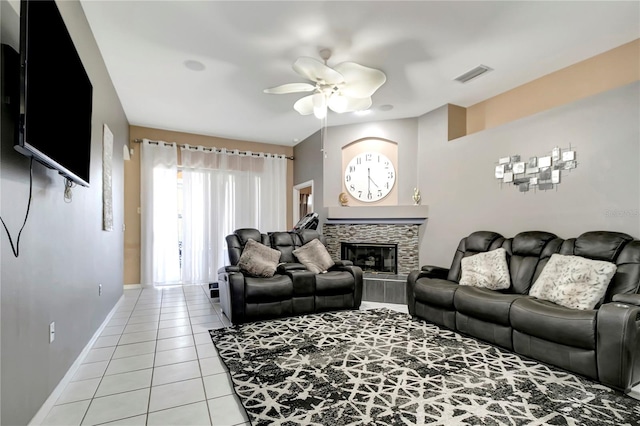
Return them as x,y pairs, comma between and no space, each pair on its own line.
319,105
338,103
347,87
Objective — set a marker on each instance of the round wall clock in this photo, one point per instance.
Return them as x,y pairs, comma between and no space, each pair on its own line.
369,176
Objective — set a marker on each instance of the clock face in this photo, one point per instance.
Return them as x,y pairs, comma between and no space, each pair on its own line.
369,176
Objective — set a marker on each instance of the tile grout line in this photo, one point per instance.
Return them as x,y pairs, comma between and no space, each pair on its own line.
198,299
204,388
107,366
153,363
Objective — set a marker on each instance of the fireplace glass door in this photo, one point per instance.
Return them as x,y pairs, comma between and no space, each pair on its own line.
372,257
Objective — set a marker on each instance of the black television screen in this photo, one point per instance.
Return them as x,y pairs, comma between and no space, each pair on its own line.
56,93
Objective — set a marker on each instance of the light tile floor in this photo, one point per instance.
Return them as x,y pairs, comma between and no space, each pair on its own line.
155,364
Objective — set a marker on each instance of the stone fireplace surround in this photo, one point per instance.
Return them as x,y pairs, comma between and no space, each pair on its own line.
383,224
404,235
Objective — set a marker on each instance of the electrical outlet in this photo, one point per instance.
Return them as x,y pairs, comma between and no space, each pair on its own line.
99,289
52,332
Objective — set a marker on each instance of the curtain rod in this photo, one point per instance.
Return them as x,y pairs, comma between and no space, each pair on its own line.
206,148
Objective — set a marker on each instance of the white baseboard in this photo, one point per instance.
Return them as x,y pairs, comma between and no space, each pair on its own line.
133,287
635,392
53,397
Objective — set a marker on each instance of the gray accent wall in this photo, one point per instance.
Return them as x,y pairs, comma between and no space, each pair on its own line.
64,253
326,171
308,166
602,193
457,183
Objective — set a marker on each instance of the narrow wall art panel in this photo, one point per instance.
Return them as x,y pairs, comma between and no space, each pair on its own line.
107,190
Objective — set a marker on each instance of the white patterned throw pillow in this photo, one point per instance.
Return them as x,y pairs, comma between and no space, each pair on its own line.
486,270
573,281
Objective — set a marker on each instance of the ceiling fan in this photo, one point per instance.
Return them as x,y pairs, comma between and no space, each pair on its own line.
346,87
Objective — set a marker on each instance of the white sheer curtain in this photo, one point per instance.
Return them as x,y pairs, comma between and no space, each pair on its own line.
160,258
224,191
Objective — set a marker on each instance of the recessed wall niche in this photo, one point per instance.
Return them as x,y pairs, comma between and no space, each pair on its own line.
373,144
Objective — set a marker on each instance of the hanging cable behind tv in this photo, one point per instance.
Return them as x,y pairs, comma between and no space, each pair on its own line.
16,248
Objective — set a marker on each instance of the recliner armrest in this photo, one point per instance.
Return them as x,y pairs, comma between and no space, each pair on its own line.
631,299
291,266
618,343
432,271
356,272
229,268
231,288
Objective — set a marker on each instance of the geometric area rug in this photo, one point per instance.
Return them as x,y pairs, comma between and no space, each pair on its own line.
382,367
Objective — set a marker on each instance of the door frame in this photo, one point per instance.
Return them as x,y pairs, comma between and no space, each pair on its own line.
296,198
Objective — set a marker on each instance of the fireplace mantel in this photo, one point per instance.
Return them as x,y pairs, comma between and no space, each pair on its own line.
410,214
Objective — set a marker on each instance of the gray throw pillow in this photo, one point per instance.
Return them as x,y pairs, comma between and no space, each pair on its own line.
259,260
314,256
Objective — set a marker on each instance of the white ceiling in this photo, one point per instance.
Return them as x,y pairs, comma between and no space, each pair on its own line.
422,46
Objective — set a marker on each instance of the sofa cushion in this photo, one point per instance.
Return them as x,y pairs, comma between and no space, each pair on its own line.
314,256
476,242
482,241
259,260
529,253
484,304
573,281
627,277
601,245
486,270
435,291
263,290
334,282
554,323
285,243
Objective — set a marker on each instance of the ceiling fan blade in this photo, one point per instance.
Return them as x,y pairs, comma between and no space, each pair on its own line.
353,104
304,105
360,81
290,88
315,70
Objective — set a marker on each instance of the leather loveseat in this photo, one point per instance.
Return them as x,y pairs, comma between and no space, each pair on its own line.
293,289
601,343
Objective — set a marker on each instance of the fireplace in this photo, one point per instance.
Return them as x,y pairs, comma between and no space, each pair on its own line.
404,236
372,257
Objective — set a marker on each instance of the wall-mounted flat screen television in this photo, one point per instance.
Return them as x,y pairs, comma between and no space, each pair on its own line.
56,95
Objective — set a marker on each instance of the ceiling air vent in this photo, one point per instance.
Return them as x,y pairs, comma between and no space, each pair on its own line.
476,72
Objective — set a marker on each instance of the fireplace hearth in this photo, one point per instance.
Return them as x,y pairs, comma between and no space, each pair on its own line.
372,257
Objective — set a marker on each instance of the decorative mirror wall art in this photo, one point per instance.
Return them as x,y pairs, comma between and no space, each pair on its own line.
543,173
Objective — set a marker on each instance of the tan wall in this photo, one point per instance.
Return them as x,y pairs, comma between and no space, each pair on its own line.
457,121
611,69
132,183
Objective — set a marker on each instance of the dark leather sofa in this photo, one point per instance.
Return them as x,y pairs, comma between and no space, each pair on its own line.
602,344
293,290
